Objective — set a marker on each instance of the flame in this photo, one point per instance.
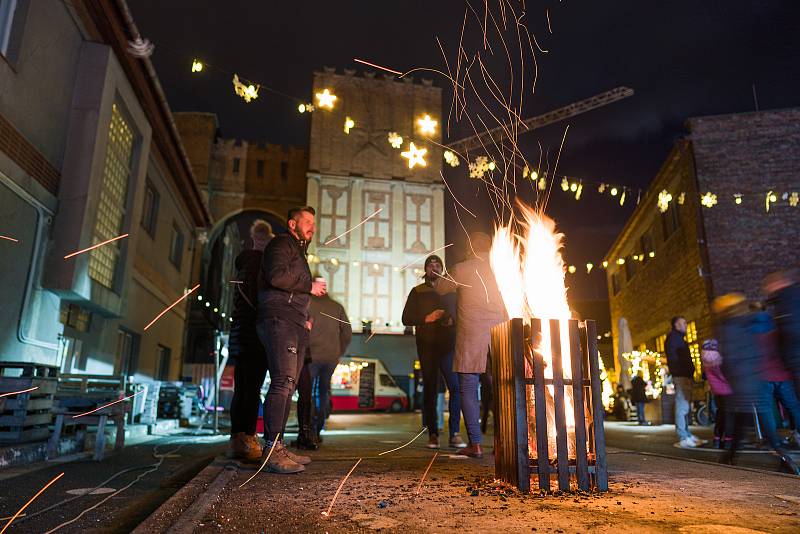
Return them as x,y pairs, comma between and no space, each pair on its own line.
530,272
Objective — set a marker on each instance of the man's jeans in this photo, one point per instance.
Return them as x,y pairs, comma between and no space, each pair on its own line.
640,413
683,402
320,374
470,406
286,344
783,392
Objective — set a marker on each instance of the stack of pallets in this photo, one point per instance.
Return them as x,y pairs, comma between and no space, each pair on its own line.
26,416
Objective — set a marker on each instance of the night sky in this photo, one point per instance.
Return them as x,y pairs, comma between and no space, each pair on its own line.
683,58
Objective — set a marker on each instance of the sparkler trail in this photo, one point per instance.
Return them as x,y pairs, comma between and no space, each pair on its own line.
425,474
370,337
451,279
377,66
341,485
406,445
425,256
17,392
171,306
9,238
334,318
484,285
353,228
109,404
455,197
29,502
68,256
265,461
235,282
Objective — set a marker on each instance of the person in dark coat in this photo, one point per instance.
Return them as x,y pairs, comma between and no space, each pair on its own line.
284,292
245,348
742,366
681,367
433,318
639,397
783,292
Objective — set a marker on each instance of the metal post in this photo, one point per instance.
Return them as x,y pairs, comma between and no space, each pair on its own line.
216,383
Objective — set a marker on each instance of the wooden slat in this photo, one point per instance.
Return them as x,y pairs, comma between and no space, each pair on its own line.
579,351
523,474
562,452
601,467
540,408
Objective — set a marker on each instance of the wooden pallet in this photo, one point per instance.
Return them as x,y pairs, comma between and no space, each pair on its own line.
26,416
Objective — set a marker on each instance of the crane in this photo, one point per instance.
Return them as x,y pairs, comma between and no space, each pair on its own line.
495,135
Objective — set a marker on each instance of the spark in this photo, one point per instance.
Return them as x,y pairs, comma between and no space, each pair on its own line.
426,473
265,460
456,198
68,256
29,502
18,392
484,285
329,241
109,404
327,513
425,256
451,279
370,337
377,66
235,282
171,306
407,444
549,28
9,238
334,318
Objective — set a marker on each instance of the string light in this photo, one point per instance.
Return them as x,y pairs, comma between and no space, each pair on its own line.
542,184
614,191
395,140
605,265
602,188
564,184
664,198
451,159
622,198
737,198
415,156
492,165
535,175
578,192
794,199
427,126
247,92
349,124
526,171
681,198
621,261
770,199
589,267
197,66
326,99
479,167
709,200
573,187
305,108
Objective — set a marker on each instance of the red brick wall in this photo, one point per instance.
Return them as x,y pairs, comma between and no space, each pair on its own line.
24,154
749,154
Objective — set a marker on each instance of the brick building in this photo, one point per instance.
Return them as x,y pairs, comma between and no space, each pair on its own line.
677,261
354,173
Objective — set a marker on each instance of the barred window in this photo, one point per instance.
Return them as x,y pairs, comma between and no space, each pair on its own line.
113,195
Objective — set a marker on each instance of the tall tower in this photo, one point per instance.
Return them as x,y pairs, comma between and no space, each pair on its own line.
355,170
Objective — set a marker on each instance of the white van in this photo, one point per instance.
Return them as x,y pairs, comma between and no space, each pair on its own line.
361,383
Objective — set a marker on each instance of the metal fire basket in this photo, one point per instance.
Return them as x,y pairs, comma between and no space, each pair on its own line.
523,399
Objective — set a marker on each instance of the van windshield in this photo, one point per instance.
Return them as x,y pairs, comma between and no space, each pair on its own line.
386,381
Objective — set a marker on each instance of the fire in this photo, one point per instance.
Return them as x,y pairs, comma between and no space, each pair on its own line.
530,273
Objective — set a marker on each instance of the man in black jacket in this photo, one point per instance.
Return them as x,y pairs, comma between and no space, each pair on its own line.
783,291
284,291
681,367
432,315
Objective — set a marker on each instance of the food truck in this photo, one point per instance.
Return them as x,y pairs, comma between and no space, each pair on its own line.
364,384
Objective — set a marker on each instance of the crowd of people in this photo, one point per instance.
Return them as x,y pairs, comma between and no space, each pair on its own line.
752,367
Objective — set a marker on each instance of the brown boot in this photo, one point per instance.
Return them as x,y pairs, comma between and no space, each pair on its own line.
280,463
240,448
473,451
297,458
254,444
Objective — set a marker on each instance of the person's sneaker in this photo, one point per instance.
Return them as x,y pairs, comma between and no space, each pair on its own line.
456,442
280,463
240,448
688,443
698,441
473,451
433,441
296,458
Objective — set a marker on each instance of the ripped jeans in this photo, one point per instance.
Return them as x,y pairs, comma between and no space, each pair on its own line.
286,343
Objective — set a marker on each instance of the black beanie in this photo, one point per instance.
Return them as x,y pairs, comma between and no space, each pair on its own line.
433,257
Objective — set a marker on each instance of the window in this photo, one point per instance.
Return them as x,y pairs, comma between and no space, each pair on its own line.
284,171
236,162
260,168
670,220
660,342
150,209
163,360
616,284
75,317
72,356
12,19
646,244
694,349
630,268
386,381
176,246
127,356
113,194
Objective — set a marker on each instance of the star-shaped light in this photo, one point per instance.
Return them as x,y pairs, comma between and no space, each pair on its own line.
326,99
709,200
415,156
395,140
427,125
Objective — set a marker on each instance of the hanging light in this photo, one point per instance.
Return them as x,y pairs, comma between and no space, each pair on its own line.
349,124
614,191
326,99
197,65
589,267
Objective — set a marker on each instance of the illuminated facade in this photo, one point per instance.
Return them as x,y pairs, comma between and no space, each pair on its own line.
363,173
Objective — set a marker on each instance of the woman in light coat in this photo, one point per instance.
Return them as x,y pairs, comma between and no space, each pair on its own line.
480,307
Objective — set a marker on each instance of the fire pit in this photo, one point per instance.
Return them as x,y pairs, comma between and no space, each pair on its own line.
548,410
